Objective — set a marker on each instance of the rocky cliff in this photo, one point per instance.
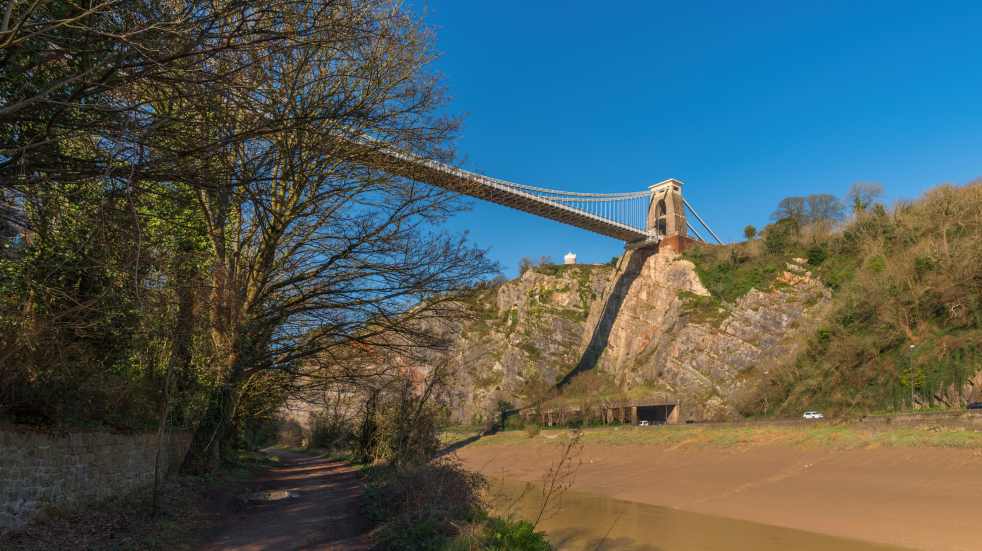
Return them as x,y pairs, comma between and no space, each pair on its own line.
645,327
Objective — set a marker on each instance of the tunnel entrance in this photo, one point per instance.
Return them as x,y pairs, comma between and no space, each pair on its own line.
656,415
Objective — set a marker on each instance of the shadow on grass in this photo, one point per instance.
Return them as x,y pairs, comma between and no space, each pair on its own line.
454,446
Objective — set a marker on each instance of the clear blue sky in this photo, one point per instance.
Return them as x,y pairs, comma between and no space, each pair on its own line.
746,102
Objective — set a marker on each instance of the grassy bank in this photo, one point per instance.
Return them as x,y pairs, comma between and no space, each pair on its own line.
125,522
189,508
828,435
439,506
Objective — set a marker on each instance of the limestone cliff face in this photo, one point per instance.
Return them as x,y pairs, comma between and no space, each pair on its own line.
649,324
526,336
710,356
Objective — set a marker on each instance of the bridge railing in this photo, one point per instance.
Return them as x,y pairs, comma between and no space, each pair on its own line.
621,215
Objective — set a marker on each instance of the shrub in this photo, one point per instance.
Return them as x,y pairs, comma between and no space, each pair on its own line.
910,276
330,433
421,507
498,534
816,255
398,429
513,535
514,422
924,265
437,507
780,235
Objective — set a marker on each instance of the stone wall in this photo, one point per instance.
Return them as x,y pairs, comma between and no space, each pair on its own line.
37,470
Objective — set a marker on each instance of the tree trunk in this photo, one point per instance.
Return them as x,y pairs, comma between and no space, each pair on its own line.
180,360
366,437
161,429
187,278
211,435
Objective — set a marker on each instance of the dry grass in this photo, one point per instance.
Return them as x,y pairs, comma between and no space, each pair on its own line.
121,523
828,435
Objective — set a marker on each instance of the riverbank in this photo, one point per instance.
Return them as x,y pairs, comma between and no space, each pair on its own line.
914,487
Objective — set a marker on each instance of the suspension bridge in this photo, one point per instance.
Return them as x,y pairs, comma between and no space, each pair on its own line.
637,218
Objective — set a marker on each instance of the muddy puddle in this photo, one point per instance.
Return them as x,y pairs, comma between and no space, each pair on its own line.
585,521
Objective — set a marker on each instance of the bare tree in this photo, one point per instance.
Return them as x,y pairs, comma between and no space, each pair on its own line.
316,254
862,195
525,264
560,476
813,208
790,208
268,119
823,207
103,89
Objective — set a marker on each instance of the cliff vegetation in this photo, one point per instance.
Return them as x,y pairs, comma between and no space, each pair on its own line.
877,311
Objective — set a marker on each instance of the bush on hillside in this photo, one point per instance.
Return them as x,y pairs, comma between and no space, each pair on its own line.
730,272
816,255
911,275
908,309
781,235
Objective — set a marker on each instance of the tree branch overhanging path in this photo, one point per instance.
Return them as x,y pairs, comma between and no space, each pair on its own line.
200,152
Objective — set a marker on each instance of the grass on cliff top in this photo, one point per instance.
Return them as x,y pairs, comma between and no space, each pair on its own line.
729,272
824,435
581,270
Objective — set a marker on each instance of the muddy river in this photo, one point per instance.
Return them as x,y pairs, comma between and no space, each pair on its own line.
584,521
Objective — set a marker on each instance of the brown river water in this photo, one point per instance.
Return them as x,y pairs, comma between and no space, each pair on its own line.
583,521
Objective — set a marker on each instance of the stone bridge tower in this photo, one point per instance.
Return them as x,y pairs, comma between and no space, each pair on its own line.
666,212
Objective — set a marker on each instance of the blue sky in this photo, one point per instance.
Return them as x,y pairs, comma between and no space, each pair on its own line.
746,102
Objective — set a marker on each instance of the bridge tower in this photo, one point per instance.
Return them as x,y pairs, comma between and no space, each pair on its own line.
666,211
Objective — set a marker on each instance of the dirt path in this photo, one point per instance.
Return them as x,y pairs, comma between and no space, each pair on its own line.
921,498
321,512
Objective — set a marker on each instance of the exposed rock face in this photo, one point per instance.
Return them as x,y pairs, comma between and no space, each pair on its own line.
649,324
719,366
527,337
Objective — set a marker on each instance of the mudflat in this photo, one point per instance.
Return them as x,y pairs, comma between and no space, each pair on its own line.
910,496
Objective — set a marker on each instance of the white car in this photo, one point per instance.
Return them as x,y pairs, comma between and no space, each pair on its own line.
813,415
643,424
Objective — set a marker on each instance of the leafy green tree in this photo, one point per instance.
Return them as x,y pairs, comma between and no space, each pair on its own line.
780,235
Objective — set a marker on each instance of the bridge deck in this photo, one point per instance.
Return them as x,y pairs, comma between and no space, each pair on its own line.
497,191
